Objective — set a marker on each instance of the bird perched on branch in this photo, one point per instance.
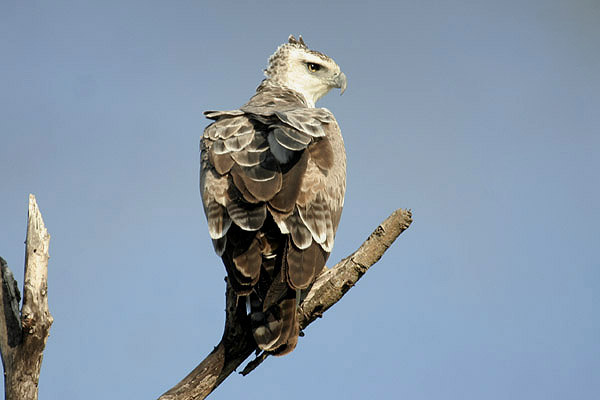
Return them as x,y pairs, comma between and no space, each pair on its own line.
273,178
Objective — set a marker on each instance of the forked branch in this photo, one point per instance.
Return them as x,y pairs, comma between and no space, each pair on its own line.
331,285
23,334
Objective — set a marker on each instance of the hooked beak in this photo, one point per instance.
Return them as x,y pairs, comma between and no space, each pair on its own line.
340,82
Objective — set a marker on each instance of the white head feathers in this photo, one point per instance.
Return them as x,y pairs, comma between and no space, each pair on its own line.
305,71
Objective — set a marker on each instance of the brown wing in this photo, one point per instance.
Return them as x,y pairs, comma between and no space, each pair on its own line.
237,175
251,169
272,183
318,208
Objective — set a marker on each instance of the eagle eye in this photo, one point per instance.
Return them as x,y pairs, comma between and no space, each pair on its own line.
312,67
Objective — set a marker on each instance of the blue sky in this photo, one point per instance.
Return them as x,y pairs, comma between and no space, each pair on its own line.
482,117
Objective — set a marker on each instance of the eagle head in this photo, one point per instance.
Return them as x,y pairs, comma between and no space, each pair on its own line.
305,71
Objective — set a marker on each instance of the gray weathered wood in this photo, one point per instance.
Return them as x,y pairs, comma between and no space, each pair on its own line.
331,285
23,337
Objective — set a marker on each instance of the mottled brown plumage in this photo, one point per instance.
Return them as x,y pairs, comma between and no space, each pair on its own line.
273,182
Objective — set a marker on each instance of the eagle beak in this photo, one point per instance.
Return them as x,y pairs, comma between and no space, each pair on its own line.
340,82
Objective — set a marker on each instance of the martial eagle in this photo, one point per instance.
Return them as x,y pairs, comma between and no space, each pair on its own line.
273,178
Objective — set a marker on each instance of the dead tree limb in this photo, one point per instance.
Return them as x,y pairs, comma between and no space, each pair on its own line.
23,334
331,285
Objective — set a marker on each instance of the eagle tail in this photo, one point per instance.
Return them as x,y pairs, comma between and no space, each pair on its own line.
276,328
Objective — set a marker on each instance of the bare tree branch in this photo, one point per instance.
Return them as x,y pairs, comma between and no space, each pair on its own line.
23,337
331,285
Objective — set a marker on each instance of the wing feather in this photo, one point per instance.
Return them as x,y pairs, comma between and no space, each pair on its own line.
217,114
303,264
303,120
291,138
247,158
255,183
238,142
218,220
301,235
249,217
315,216
221,162
285,200
322,154
214,197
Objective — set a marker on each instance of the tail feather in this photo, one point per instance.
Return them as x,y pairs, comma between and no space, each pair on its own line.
276,329
267,267
267,326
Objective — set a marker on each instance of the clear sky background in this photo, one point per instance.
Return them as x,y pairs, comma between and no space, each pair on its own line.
483,117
